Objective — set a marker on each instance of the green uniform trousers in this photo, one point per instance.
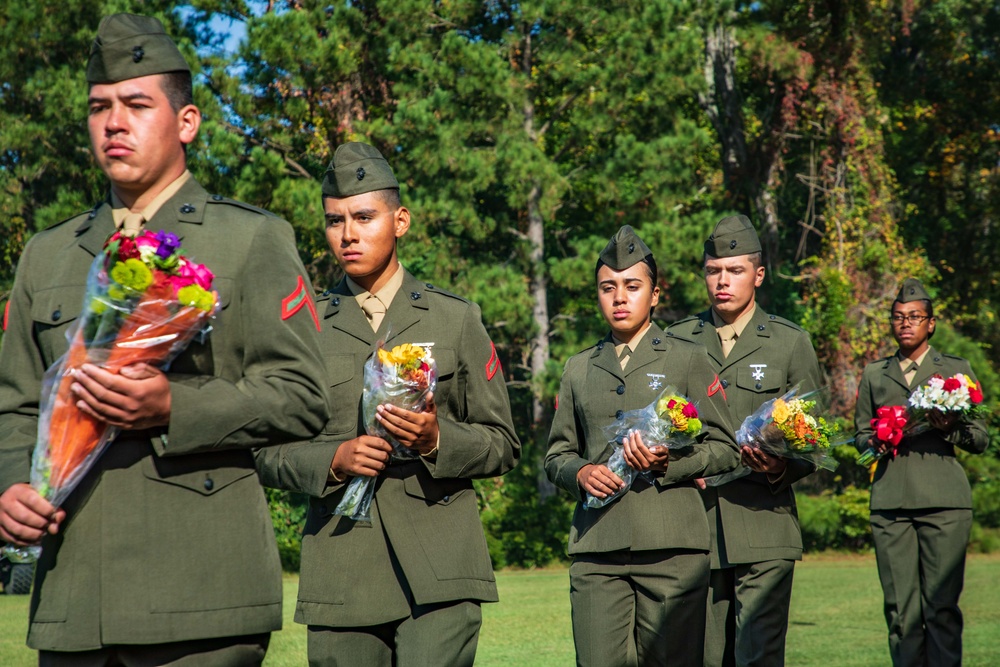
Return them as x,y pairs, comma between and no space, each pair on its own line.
639,607
244,651
433,634
748,605
921,564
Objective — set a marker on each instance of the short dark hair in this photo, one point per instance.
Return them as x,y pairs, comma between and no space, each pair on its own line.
390,197
178,88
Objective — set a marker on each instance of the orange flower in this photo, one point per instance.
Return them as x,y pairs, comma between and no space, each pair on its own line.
801,425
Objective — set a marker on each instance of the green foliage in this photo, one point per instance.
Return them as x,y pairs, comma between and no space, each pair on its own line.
288,515
862,141
523,529
831,521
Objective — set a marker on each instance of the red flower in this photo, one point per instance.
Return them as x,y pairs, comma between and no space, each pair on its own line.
127,249
671,404
951,384
690,411
976,394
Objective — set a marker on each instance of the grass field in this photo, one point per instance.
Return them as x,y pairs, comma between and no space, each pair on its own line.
836,619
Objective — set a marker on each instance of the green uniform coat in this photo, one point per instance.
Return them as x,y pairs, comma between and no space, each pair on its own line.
424,514
757,519
925,473
921,516
169,538
594,390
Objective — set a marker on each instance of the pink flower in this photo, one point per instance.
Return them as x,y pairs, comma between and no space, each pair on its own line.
671,404
196,273
146,240
690,411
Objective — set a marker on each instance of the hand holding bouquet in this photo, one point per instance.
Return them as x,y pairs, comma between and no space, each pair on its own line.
788,427
669,422
145,301
401,377
958,395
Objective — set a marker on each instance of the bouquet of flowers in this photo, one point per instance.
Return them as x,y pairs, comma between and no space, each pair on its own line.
789,427
958,394
669,422
402,377
145,301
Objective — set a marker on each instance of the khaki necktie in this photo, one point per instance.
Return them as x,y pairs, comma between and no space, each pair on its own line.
132,224
727,336
910,372
624,356
375,310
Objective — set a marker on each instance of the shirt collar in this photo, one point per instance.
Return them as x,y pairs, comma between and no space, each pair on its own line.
119,210
385,294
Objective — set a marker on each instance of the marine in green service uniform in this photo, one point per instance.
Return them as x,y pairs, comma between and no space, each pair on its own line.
755,529
921,502
165,552
406,587
639,576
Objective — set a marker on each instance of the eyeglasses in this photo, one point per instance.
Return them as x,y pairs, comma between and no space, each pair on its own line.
915,320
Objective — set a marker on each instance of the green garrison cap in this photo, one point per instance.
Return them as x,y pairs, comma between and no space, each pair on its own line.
912,290
357,168
625,249
129,46
733,236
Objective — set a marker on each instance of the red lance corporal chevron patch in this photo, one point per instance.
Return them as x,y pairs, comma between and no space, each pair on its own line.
716,387
294,302
493,365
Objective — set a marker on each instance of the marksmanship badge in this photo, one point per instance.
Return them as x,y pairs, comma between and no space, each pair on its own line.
758,371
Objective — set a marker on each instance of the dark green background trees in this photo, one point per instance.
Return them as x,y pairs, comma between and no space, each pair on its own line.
861,137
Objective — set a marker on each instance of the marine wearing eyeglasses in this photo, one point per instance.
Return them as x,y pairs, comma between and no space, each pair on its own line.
921,501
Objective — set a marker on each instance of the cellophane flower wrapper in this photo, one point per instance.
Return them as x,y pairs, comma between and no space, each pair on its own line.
401,377
671,421
144,303
791,427
958,394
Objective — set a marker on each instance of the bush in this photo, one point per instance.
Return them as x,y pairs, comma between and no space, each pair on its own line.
288,516
832,521
522,530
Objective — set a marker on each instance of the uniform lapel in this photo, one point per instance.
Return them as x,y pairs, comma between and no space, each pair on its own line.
756,332
645,354
96,229
408,306
704,332
185,208
604,357
933,365
344,313
892,372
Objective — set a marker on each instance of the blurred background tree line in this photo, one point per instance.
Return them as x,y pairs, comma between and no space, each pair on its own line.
862,137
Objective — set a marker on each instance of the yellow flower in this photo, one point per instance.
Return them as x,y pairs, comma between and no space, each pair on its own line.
781,412
401,355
